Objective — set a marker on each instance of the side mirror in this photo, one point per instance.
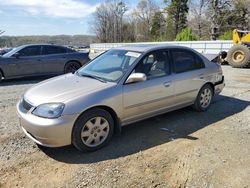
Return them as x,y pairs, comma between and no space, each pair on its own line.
136,77
16,55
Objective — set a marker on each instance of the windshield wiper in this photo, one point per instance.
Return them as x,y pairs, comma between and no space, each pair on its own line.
92,76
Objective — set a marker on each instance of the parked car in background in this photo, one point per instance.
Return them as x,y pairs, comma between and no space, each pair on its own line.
40,59
119,87
83,48
4,51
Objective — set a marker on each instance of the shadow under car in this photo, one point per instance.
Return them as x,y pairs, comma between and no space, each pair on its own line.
153,132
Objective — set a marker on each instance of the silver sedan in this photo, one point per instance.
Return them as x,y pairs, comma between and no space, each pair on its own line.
119,87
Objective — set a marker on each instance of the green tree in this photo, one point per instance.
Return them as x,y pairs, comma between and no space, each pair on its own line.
177,11
170,33
186,35
228,35
158,28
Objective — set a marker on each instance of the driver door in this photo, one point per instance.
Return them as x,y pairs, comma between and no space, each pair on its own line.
28,61
144,99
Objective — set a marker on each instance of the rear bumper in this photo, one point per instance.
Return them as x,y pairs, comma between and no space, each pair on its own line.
218,87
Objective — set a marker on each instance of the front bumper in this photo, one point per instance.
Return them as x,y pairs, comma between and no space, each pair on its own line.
218,87
46,132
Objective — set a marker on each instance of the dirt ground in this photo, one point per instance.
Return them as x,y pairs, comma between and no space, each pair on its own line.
183,148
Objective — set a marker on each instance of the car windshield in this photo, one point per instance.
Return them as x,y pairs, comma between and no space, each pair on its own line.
110,66
13,51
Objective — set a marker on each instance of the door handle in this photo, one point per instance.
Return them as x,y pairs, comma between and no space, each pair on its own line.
167,84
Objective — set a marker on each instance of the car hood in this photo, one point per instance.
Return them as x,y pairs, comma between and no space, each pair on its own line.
63,88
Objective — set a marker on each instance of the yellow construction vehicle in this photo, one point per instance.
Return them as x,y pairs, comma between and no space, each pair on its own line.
238,55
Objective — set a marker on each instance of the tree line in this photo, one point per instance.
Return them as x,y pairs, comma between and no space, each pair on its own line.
75,40
177,20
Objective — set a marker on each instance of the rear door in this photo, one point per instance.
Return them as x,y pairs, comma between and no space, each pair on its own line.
153,95
189,71
28,62
54,58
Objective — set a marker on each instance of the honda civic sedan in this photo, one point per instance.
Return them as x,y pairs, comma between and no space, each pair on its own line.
119,87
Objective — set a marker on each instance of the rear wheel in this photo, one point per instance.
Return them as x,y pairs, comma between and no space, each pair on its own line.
71,67
92,130
1,76
204,98
239,56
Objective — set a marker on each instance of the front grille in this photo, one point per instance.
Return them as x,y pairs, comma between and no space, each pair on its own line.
27,106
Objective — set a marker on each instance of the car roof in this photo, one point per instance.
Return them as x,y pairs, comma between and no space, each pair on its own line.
149,47
41,44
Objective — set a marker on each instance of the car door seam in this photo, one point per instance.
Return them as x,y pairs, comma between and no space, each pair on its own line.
148,102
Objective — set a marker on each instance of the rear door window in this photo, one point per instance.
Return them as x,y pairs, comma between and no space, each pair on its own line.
185,60
48,50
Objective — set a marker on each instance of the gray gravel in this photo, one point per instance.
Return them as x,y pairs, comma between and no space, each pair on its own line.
210,149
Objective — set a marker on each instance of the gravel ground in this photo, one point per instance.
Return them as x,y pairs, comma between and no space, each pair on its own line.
210,149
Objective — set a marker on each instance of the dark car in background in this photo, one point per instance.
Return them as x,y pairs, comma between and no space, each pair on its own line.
40,59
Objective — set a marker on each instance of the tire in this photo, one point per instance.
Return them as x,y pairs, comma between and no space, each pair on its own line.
239,56
1,76
204,98
88,134
71,67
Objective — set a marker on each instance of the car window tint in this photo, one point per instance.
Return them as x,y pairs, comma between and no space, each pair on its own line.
199,62
186,61
131,60
30,51
154,65
47,50
70,50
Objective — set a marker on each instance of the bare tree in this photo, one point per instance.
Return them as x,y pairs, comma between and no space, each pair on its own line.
109,20
197,19
143,14
146,22
220,12
241,18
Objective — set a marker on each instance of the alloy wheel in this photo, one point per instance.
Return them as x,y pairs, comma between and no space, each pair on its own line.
205,98
95,131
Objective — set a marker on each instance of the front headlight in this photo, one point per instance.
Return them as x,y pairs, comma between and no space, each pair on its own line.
51,110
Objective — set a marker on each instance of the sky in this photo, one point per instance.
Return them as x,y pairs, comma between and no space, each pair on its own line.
49,17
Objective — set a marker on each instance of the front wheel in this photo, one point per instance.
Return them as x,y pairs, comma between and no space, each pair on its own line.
71,67
92,130
204,98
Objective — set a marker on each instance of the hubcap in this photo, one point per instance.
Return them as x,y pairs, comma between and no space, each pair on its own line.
238,56
95,131
205,98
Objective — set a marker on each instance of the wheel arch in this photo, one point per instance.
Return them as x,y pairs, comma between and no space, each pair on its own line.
210,84
71,61
1,71
117,123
